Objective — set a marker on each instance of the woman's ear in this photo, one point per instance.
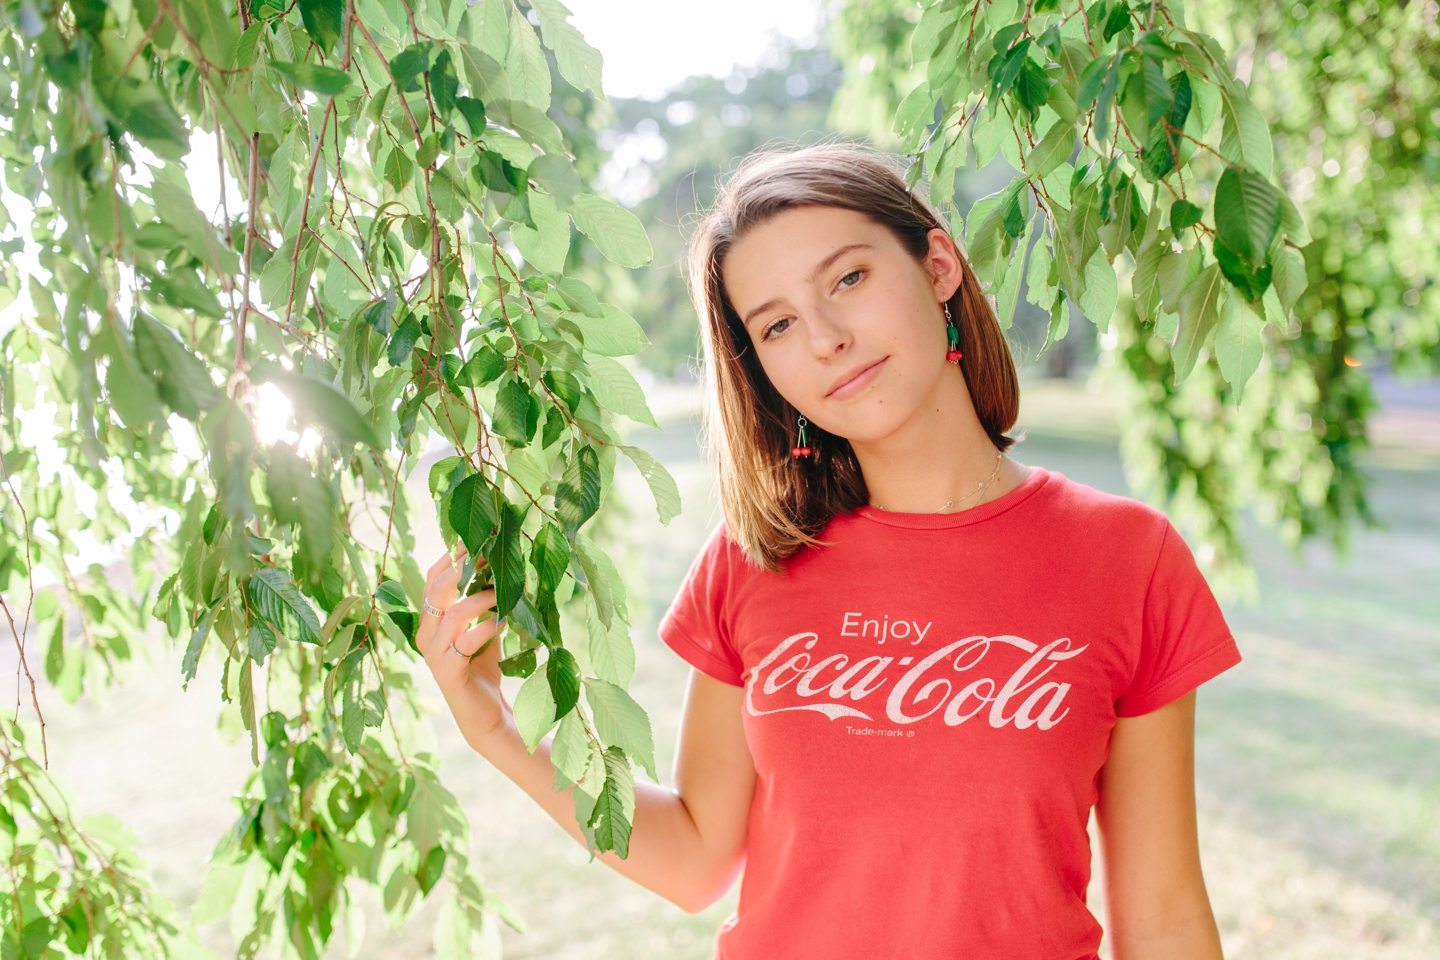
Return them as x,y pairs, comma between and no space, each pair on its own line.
944,264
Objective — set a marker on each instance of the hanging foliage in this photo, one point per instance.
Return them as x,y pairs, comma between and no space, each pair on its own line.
358,213
1148,198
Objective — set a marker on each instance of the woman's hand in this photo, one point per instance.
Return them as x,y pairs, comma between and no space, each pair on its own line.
464,659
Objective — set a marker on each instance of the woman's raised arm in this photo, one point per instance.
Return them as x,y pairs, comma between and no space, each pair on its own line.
1154,892
687,843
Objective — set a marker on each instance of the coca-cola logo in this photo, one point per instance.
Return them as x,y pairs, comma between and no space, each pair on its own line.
957,682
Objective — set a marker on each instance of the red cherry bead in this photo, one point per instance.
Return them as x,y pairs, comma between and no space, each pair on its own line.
800,452
953,356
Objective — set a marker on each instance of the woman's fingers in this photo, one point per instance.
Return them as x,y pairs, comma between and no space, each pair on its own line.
472,641
440,582
437,633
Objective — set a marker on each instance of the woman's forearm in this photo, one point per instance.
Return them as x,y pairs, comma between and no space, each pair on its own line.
668,853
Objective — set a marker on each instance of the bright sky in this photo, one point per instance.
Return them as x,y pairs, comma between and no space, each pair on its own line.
651,45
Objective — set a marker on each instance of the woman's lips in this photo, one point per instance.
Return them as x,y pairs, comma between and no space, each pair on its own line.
858,382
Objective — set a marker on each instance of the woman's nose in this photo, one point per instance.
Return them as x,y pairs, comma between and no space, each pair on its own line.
828,337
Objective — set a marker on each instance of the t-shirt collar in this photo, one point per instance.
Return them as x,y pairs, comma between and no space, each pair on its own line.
1038,477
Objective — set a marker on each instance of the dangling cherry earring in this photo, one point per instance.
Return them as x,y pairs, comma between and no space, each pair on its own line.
801,448
953,355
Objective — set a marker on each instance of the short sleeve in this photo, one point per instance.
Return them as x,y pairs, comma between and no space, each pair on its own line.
1184,640
697,625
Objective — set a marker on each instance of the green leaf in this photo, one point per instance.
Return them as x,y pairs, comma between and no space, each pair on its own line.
513,408
182,379
448,192
1247,213
1101,294
1183,214
568,390
1009,293
912,116
616,233
352,718
409,64
1293,223
212,28
1250,280
430,813
1147,100
184,290
534,709
260,643
317,401
1038,288
324,19
1238,343
550,556
617,390
432,868
473,110
1005,68
578,296
578,495
526,65
613,334
484,74
1090,80
484,365
1082,228
140,108
218,889
579,63
1199,313
556,176
520,665
615,807
445,86
570,751
507,559
326,81
620,722
546,246
1053,149
176,207
131,391
563,675
1174,272
606,588
1290,277
662,485
1032,88
403,340
1059,320
1118,20
1246,137
1145,283
612,654
472,512
276,598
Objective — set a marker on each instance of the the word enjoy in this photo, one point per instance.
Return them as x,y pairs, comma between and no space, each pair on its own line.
957,682
882,628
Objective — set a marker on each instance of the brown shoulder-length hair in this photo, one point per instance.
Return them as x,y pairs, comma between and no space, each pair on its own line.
774,504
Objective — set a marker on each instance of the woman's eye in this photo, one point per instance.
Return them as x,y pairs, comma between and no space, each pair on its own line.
775,329
850,279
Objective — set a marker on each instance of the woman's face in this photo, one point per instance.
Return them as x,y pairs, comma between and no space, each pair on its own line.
847,325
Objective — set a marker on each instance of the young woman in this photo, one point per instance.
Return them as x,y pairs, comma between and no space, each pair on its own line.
917,663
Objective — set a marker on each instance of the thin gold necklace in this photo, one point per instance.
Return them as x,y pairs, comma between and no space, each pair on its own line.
977,491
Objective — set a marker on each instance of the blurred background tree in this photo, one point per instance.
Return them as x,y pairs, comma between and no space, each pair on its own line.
1348,90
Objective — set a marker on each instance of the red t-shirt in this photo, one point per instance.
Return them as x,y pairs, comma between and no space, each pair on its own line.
928,700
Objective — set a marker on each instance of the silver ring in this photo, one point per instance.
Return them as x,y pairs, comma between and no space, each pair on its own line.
430,608
457,652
